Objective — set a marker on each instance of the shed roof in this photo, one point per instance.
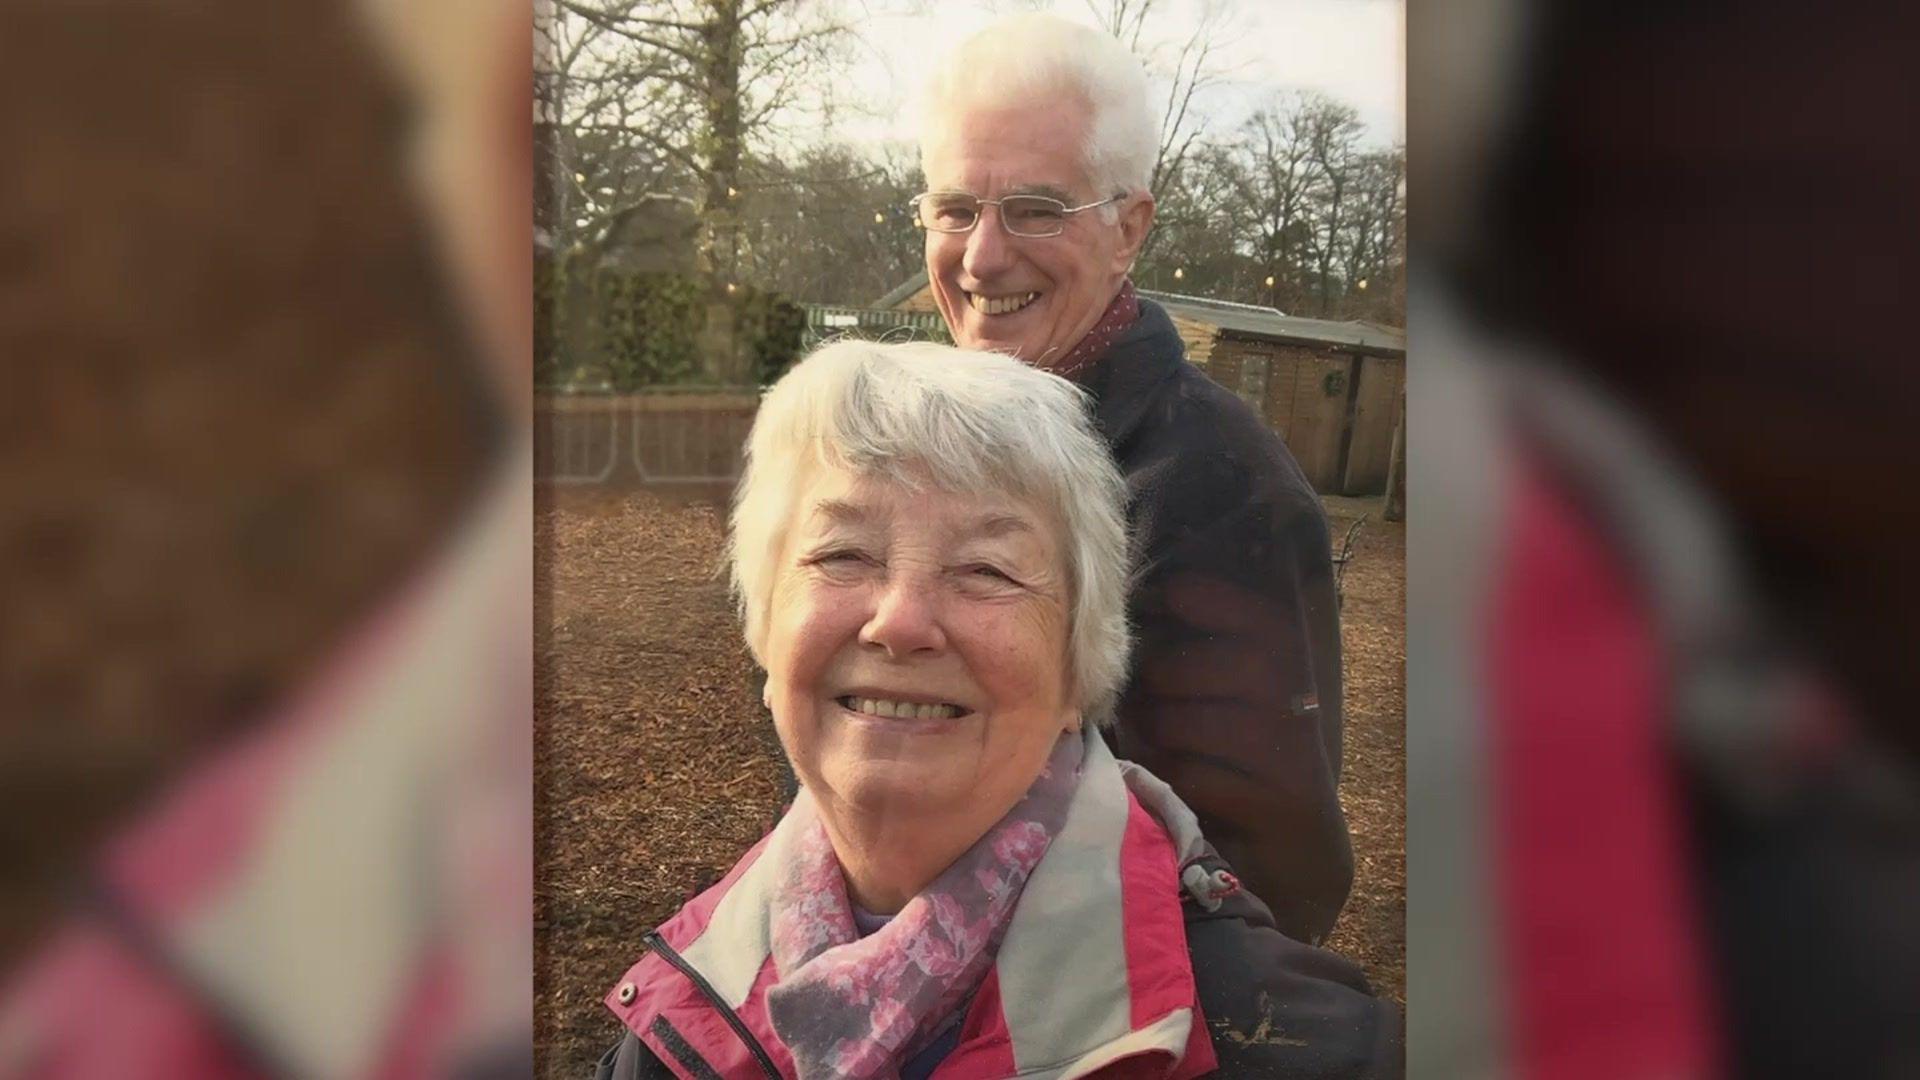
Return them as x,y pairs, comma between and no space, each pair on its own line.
899,293
1248,320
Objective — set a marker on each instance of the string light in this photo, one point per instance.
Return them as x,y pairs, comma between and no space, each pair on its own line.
1362,283
731,286
1269,281
879,218
1178,273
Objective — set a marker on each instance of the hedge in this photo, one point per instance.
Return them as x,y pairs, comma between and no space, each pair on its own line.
628,329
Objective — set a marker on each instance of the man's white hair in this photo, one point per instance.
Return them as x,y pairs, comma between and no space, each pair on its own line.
973,422
1036,61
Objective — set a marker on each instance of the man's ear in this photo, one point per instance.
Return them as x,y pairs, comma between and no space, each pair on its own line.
1136,220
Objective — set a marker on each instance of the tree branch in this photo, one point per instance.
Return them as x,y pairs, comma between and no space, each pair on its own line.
613,27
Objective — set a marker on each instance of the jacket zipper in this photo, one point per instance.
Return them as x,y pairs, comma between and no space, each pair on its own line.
654,941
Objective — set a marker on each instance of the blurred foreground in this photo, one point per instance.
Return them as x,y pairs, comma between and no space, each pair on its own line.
263,290
1662,600
266,547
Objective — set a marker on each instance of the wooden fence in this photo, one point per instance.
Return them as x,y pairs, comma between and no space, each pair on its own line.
655,438
1336,411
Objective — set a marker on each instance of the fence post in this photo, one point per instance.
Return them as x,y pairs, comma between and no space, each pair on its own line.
1396,509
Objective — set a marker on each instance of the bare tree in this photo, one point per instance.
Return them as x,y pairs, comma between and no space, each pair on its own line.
833,226
663,104
1376,221
1293,210
683,91
1332,130
1201,231
1189,66
1274,195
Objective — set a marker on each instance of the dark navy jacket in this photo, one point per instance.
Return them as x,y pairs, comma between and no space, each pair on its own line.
1235,693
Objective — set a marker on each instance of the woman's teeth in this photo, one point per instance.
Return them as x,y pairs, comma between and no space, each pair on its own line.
901,710
1000,305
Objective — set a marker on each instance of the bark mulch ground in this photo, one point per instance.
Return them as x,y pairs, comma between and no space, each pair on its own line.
655,767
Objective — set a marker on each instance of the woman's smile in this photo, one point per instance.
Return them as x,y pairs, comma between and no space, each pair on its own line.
865,716
883,708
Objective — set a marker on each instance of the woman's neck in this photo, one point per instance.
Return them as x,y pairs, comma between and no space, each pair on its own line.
889,858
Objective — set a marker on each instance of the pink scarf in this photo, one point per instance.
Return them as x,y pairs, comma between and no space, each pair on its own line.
854,1007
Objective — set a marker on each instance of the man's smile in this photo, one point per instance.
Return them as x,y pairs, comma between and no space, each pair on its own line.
1000,305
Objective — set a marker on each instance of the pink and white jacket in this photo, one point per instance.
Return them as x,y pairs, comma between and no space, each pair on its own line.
1092,978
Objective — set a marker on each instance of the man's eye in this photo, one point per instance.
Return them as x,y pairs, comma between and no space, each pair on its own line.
953,213
1036,213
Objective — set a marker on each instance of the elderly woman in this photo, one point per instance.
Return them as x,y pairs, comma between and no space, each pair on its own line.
930,557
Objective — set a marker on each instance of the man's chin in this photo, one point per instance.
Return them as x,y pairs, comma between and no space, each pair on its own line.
1022,347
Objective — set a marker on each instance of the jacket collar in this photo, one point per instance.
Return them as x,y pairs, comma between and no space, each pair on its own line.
1111,874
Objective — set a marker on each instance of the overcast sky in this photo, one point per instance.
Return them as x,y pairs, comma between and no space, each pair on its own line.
1350,49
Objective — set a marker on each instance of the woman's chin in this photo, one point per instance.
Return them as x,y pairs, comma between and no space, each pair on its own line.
894,786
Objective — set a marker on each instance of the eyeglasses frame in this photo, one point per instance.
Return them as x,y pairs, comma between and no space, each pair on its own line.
914,206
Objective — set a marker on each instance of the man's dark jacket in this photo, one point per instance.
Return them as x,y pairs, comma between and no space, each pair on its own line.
1234,698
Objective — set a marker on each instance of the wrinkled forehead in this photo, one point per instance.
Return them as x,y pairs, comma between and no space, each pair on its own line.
830,495
1014,149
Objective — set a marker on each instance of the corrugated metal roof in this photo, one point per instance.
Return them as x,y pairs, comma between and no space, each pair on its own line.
1268,323
902,291
1210,303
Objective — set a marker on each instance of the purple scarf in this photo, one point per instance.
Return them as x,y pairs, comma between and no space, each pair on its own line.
854,1007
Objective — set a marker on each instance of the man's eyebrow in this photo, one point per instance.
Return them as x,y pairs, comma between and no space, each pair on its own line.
1048,190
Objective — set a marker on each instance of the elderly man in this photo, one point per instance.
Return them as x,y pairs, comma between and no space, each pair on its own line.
1037,143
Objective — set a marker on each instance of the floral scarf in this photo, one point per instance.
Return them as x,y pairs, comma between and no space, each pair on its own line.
854,1007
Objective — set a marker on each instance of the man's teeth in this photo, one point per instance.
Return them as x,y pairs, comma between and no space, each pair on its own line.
901,710
1000,305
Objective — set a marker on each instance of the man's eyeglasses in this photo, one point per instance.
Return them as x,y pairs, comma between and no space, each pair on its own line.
1021,215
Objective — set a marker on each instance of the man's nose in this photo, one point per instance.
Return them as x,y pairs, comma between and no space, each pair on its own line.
905,620
989,248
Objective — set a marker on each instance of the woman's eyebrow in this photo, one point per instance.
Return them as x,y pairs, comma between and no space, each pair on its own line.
842,512
996,525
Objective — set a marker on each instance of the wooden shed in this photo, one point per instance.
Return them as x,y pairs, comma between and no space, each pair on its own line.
1331,390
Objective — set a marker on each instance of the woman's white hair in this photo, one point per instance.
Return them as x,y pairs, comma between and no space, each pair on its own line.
973,422
1036,60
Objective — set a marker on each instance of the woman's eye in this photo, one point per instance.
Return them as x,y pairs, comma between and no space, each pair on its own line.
842,557
991,573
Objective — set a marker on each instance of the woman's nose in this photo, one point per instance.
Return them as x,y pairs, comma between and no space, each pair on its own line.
905,620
